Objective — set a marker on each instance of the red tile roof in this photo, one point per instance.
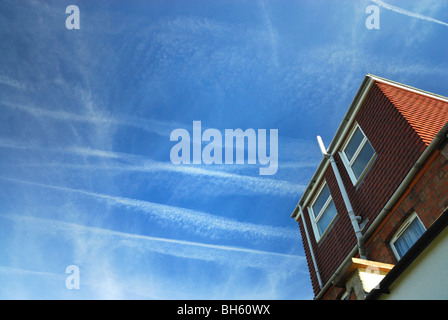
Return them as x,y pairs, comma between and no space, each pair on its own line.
425,113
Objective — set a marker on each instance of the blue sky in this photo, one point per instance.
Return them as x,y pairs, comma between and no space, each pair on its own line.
86,117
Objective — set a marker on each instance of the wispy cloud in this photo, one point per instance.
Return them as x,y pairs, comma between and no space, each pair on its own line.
137,163
235,256
5,80
408,13
272,33
8,143
158,127
198,221
258,185
255,185
101,284
20,271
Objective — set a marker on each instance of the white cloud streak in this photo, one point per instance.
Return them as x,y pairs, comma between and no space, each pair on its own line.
25,272
5,80
258,185
137,163
272,33
235,256
186,218
408,13
158,127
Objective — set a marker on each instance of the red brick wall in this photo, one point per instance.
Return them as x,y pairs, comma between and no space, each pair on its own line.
428,198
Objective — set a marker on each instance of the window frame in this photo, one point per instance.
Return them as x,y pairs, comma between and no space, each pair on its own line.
348,164
315,219
405,225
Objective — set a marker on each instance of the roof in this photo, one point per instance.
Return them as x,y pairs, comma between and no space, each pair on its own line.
426,112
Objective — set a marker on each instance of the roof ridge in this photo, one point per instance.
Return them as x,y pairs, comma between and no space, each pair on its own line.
408,87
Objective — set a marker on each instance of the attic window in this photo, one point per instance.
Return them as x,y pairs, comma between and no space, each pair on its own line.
357,155
322,212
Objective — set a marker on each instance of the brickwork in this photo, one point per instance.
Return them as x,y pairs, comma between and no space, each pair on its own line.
392,132
428,198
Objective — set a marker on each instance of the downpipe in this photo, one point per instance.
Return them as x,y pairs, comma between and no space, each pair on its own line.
355,220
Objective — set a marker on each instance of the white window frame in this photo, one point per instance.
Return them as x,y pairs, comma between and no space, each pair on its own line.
402,230
348,164
315,219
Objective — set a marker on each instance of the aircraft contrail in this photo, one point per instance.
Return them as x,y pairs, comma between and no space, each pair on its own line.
161,128
408,13
137,163
185,217
172,247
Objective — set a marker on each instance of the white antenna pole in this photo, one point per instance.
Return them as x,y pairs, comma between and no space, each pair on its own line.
322,147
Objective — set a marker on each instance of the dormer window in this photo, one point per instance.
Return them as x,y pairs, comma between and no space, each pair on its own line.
322,211
357,155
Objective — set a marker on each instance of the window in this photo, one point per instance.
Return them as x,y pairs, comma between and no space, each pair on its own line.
357,155
407,235
322,211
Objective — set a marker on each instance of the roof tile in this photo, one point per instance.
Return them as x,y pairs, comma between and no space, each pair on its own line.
427,115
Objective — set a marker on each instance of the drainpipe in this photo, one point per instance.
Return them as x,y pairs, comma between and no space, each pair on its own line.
354,219
311,249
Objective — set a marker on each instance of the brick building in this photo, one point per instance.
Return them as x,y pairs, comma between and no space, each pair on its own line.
376,202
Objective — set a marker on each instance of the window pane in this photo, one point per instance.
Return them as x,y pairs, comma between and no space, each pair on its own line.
354,144
409,237
363,159
319,204
327,217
